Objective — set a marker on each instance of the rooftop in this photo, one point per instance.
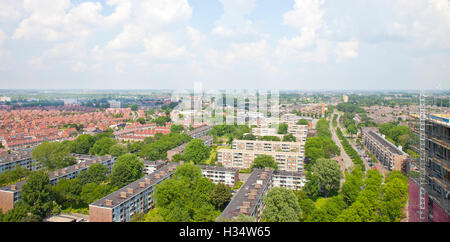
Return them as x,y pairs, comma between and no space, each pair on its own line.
391,147
248,195
125,193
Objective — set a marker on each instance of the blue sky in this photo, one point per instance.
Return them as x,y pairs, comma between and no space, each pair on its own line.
286,44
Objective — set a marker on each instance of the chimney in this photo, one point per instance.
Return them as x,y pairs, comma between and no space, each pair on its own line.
246,204
147,181
257,185
243,210
56,173
266,169
157,176
123,194
130,190
251,196
13,187
108,202
141,184
77,167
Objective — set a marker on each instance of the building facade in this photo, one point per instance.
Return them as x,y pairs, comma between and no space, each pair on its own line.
137,197
437,143
10,194
389,155
9,161
249,199
288,155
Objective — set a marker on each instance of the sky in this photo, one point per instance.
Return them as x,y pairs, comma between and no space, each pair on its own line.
239,44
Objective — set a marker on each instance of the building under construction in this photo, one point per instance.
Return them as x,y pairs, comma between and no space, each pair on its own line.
432,204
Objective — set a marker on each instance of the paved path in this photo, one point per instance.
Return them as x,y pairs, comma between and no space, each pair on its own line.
362,154
346,160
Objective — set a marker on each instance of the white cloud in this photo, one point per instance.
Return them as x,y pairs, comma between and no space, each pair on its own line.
55,20
161,47
306,14
221,31
427,21
2,37
131,35
347,50
10,10
293,49
195,36
309,46
78,67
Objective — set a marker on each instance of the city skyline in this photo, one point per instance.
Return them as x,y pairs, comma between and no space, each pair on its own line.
287,45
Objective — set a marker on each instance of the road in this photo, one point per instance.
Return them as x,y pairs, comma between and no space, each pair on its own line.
361,153
346,161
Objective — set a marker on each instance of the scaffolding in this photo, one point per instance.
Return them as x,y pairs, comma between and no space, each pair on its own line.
422,157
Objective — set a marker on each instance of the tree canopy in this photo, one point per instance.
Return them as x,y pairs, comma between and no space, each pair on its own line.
263,161
126,169
281,205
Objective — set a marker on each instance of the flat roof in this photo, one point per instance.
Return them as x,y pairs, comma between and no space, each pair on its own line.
6,157
70,169
289,173
391,147
218,168
117,199
233,208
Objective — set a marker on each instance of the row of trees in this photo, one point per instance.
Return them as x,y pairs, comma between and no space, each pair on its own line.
321,146
229,132
363,198
56,155
157,148
350,151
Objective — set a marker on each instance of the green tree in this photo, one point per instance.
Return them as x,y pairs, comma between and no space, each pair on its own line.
249,137
328,212
196,151
67,192
118,150
11,176
263,161
126,169
82,144
282,128
176,128
96,173
140,120
102,146
53,155
154,216
329,175
352,185
394,195
289,138
37,195
281,205
186,196
91,192
221,196
303,122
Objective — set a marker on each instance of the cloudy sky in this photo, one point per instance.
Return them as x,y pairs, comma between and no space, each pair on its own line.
282,44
